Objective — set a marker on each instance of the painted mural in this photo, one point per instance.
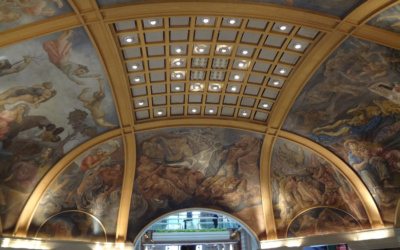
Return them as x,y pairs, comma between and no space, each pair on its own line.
104,3
388,19
91,187
322,220
302,180
352,106
14,13
197,167
72,225
53,96
333,7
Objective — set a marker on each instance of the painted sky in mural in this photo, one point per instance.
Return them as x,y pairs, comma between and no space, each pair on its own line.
352,106
388,19
14,13
322,220
301,179
197,167
53,96
90,185
333,7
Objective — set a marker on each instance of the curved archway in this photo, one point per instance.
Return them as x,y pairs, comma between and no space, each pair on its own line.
197,221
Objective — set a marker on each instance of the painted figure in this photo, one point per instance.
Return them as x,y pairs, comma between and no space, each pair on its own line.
94,105
34,95
7,68
59,52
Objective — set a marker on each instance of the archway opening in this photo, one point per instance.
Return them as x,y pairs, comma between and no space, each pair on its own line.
196,229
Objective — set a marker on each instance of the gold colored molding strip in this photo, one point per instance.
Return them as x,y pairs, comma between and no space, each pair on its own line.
200,122
266,188
24,220
221,8
377,35
362,191
36,29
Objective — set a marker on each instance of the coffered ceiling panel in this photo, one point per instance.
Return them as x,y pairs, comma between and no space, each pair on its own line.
209,66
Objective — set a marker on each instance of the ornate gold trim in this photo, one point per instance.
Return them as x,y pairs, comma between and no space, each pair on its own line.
24,220
201,122
360,188
266,188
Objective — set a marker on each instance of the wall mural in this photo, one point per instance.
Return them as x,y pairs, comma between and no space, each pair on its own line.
352,106
388,19
322,220
301,180
90,187
49,103
333,7
197,167
14,13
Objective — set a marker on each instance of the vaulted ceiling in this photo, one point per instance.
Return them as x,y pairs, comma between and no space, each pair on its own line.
283,113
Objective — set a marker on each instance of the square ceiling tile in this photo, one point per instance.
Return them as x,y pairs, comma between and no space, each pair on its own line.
139,91
156,64
230,99
178,35
307,32
125,25
261,116
159,100
130,53
179,21
154,37
213,98
231,22
177,99
150,23
158,89
275,41
142,114
177,110
203,35
257,24
157,76
155,51
195,98
227,35
251,37
227,111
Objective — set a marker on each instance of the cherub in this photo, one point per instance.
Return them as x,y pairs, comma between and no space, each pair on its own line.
59,52
94,105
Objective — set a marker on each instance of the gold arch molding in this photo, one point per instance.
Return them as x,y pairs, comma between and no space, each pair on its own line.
247,228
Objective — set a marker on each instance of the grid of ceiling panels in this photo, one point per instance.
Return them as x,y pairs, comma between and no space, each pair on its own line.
208,66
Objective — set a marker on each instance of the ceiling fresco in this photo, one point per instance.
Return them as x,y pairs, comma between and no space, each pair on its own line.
352,106
332,7
49,103
83,202
388,19
322,220
302,180
14,13
193,167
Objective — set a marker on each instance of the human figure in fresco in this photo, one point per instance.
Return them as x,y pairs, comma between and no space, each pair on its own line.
93,104
34,95
38,7
388,91
59,52
7,68
364,158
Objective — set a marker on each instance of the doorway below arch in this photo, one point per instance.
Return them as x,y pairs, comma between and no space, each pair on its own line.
196,229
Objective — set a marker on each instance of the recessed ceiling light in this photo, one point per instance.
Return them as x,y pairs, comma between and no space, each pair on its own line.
201,50
283,27
178,50
178,63
298,46
232,21
223,50
159,112
194,110
137,79
211,111
234,88
177,88
153,22
276,82
141,103
206,20
245,52
177,75
236,77
282,71
265,105
135,67
241,64
196,86
244,113
128,39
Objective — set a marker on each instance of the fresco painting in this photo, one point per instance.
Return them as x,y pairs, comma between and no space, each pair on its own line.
333,7
72,225
105,3
322,220
352,106
197,167
49,104
14,13
91,184
388,19
301,180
